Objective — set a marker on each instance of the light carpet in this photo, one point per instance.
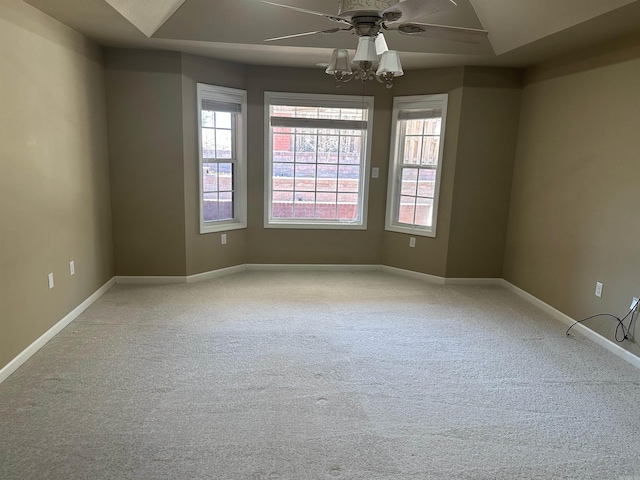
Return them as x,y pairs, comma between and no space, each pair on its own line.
323,375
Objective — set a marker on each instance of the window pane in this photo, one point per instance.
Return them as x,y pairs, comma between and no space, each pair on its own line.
226,206
409,181
225,175
352,114
208,143
304,205
282,205
327,178
223,120
283,111
210,207
350,150
223,143
424,212
207,118
414,127
407,210
349,178
427,183
305,177
326,206
433,126
307,112
328,148
332,113
348,206
306,148
430,151
209,177
282,176
283,147
412,150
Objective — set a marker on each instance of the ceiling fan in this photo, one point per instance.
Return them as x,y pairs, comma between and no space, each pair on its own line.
361,17
368,19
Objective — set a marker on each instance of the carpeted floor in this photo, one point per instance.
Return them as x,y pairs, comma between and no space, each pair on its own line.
324,375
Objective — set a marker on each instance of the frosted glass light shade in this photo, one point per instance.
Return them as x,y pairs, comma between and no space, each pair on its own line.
366,51
390,63
381,44
339,62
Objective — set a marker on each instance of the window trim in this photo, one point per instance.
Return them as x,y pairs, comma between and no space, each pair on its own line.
239,134
316,100
393,188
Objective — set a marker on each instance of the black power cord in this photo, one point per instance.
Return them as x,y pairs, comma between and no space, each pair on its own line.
620,326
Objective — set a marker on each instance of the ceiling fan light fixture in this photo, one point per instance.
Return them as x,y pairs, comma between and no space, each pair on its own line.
381,44
339,62
366,51
390,64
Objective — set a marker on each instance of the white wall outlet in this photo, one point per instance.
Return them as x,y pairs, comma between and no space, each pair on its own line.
50,279
223,239
598,289
634,302
412,242
375,172
72,267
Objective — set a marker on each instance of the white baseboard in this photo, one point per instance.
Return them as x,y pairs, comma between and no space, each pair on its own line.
150,280
579,328
474,281
311,267
425,277
222,272
28,352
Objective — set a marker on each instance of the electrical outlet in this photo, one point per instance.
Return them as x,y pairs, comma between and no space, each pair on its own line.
412,242
50,280
598,289
634,302
72,267
223,239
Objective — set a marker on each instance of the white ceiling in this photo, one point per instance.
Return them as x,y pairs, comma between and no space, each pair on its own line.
521,32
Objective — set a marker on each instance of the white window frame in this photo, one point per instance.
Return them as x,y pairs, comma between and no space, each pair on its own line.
328,101
416,102
239,138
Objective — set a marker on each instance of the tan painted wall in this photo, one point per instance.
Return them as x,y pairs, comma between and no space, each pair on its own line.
314,246
484,170
205,252
144,96
574,204
54,176
430,254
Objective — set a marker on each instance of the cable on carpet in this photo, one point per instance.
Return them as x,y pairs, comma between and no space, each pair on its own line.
620,327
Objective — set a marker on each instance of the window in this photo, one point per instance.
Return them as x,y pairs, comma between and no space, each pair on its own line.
317,157
223,168
417,143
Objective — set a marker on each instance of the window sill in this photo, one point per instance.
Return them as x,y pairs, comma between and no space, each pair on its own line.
412,231
315,226
221,227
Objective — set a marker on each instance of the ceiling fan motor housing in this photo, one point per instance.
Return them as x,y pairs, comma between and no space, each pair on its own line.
351,8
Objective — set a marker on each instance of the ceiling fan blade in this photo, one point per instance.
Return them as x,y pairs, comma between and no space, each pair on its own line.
331,30
441,32
333,18
413,9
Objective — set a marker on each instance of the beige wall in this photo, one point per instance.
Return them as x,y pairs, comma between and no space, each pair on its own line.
54,176
144,95
205,252
574,204
314,246
483,174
